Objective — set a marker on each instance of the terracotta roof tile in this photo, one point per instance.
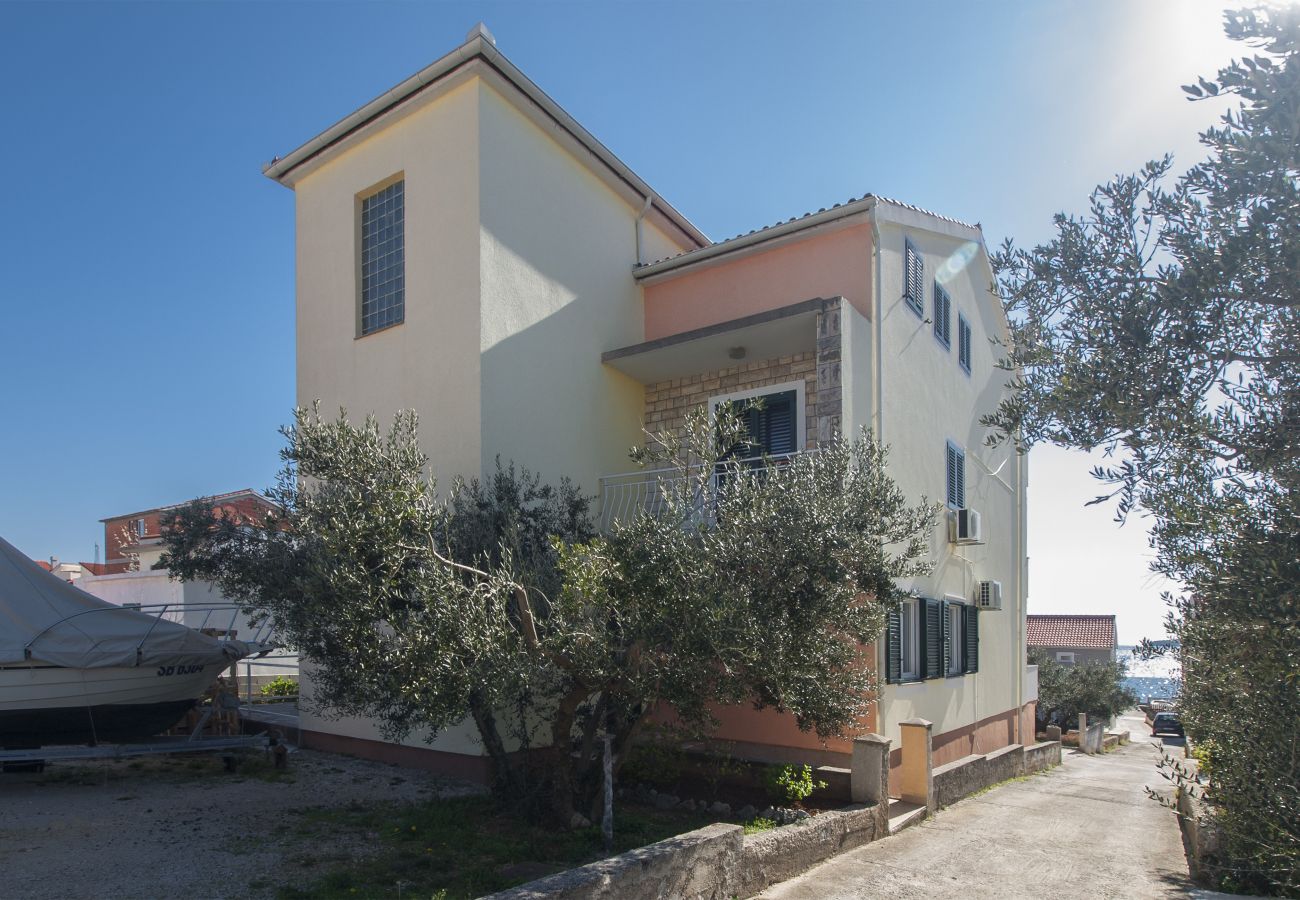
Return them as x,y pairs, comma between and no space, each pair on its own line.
1091,632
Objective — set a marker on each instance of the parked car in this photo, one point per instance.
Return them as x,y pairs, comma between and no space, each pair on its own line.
1167,723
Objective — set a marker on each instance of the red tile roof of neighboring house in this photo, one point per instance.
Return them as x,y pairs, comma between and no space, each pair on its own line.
1070,631
43,564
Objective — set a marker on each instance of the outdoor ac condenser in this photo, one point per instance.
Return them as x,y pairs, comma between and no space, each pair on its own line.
964,527
989,595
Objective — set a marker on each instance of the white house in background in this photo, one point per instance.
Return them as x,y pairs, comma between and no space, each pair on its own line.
134,545
467,249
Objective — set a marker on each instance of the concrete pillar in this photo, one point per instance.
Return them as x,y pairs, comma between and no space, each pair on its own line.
869,779
1083,734
918,764
1053,732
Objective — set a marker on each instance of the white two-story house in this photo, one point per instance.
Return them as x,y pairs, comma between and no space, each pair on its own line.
467,249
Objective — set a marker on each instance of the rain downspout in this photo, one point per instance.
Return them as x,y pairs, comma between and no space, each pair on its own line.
877,316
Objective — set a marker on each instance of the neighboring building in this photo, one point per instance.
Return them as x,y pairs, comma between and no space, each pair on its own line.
128,577
135,536
465,248
1072,639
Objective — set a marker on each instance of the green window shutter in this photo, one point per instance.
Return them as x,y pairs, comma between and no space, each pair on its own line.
913,279
932,637
955,463
771,428
971,614
894,645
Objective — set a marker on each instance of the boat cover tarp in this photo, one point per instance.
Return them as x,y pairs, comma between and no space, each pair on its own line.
44,619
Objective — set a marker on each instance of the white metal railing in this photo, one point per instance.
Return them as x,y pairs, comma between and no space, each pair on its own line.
215,619
628,494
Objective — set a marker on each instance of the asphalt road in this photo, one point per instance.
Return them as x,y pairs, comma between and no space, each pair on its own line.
1085,828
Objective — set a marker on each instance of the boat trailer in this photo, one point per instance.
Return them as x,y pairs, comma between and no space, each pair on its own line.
36,757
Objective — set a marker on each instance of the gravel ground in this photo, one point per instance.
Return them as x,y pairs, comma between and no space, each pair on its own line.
182,827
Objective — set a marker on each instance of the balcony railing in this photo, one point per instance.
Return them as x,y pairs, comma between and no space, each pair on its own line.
626,495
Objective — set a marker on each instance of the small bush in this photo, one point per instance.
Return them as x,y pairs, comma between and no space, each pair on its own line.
791,784
280,687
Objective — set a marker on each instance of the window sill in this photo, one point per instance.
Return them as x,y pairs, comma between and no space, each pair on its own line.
388,327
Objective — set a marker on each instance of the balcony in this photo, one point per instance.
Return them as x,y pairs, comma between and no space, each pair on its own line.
626,495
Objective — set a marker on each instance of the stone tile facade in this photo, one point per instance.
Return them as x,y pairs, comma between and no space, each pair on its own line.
667,402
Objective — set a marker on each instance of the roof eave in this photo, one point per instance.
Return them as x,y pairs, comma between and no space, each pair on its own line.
755,239
477,48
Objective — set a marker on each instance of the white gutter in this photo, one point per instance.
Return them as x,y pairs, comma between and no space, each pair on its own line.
478,45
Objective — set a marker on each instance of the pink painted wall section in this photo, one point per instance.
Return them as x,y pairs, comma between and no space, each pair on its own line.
826,264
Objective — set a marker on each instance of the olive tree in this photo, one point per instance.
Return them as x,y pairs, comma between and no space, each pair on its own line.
1162,328
499,604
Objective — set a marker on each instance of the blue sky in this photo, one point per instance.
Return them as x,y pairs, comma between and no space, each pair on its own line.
147,291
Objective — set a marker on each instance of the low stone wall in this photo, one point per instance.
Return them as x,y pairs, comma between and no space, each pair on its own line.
698,865
965,776
1041,756
1201,838
782,853
713,863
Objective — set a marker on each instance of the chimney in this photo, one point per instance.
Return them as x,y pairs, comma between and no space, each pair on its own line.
481,31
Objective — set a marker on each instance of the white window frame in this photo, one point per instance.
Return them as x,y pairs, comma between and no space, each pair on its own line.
956,635
140,527
1065,657
910,640
800,414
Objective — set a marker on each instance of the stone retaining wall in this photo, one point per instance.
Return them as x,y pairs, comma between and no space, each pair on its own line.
713,863
698,865
965,776
782,853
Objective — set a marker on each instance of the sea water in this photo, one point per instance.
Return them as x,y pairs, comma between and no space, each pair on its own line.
1159,676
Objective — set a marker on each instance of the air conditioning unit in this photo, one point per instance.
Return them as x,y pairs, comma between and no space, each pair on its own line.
988,595
964,527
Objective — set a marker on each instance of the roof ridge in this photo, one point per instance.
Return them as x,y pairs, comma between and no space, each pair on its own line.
808,215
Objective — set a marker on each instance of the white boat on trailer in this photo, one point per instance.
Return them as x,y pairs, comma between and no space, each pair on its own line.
77,670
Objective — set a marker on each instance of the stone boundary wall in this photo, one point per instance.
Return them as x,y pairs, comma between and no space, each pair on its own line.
965,776
1039,757
1201,837
782,853
698,864
713,863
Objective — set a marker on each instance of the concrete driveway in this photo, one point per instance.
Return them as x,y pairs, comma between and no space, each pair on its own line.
1085,828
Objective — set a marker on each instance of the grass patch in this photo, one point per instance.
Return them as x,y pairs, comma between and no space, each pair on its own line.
463,846
757,824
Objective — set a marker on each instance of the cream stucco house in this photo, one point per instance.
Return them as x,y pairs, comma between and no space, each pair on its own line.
467,249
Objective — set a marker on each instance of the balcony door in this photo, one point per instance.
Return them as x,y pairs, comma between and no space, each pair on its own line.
772,418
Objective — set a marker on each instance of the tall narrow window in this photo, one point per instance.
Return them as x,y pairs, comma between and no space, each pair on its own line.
942,316
956,638
955,459
383,258
963,343
910,641
913,279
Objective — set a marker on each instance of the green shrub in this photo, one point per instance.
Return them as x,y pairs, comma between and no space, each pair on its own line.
280,687
790,784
